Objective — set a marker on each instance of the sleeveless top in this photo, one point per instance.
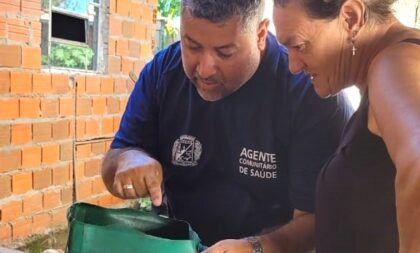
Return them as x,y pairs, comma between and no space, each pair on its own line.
355,204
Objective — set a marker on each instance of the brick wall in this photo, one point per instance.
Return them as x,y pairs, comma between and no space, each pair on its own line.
55,126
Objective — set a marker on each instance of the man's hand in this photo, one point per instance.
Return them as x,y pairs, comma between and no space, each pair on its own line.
230,246
131,174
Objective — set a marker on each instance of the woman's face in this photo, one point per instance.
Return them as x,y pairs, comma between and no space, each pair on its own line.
317,47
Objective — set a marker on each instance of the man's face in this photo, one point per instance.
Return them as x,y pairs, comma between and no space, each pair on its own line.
219,57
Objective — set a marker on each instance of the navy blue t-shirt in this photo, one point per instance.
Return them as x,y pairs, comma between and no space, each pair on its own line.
241,164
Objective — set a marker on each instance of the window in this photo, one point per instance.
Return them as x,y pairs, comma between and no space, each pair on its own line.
70,34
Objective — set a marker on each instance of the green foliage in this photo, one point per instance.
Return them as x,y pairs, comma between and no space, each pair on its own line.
145,204
45,4
71,56
169,8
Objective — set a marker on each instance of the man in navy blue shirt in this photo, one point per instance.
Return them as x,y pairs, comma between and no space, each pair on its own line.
218,124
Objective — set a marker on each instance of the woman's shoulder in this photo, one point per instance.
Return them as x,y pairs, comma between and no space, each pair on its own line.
399,56
402,44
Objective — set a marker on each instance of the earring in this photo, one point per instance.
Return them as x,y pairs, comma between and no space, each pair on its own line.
353,40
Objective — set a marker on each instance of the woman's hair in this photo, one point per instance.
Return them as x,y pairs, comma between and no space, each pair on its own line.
329,9
221,10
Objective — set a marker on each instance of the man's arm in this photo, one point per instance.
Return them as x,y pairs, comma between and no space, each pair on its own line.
131,173
297,236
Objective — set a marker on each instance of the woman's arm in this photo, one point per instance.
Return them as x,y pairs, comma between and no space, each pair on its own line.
394,95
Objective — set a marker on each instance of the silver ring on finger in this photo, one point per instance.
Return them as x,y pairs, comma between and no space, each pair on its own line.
128,187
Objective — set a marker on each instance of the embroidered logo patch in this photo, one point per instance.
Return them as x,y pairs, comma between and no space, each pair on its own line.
186,151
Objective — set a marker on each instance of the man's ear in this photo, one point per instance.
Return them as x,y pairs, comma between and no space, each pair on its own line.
353,14
262,33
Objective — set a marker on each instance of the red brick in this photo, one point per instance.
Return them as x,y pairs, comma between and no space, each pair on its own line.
67,196
138,66
120,86
21,133
11,210
61,130
50,153
107,126
60,83
42,179
127,65
80,84
92,127
10,6
114,64
113,6
67,106
84,190
117,122
147,13
122,47
51,200
10,55
115,26
29,108
107,85
5,136
93,168
31,157
134,48
5,231
83,150
21,182
59,217
113,105
99,105
31,57
4,82
21,229
140,31
10,160
79,171
49,108
5,186
32,204
146,50
3,25
20,82
18,30
11,110
42,131
98,186
112,43
80,128
61,175
136,10
105,201
98,148
123,7
41,83
123,104
66,151
41,222
128,28
31,7
93,84
84,106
